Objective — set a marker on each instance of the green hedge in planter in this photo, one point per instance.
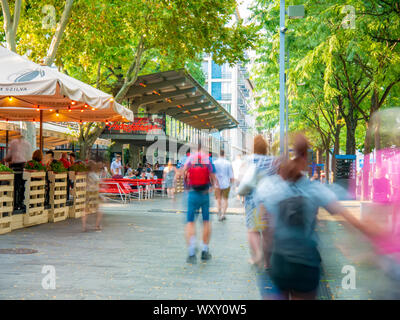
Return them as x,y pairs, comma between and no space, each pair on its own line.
4,168
57,167
35,165
78,167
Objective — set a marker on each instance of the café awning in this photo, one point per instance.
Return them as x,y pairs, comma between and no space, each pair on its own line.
53,135
179,95
28,90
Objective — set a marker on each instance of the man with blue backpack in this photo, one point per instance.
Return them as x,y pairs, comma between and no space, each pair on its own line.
199,174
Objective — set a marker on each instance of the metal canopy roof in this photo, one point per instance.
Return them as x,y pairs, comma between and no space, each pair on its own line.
179,95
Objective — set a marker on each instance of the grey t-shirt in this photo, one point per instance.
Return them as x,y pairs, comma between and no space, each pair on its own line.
297,245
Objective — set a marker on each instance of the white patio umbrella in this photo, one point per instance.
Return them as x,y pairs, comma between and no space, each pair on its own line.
30,92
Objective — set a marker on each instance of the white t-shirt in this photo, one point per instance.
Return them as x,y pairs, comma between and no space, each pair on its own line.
20,150
223,172
236,165
116,168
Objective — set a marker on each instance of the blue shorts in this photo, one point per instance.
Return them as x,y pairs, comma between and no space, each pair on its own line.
197,200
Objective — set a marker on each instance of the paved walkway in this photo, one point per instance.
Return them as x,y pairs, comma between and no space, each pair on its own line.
140,254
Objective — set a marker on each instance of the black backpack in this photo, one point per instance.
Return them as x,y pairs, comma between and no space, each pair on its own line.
292,221
292,212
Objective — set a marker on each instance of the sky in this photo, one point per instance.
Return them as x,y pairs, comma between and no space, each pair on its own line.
243,8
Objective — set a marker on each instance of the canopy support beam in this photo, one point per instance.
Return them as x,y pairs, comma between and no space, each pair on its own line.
41,131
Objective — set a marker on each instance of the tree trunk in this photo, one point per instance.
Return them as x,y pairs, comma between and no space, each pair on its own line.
55,43
336,150
134,155
86,140
350,138
84,149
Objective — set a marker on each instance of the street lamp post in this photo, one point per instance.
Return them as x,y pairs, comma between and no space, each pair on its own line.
282,31
295,12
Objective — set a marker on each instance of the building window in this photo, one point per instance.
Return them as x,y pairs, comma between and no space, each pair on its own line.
226,72
216,90
216,71
226,91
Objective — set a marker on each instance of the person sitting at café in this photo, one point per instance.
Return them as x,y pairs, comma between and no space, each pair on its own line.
72,158
142,176
49,158
64,160
149,175
128,169
130,175
37,156
140,169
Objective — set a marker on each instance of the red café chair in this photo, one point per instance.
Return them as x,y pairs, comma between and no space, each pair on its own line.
146,188
110,188
132,187
159,187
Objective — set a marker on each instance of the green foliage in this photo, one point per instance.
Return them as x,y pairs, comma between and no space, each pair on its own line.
57,167
78,167
4,168
35,166
337,76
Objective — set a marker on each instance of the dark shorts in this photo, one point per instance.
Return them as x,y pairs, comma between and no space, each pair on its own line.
197,200
288,276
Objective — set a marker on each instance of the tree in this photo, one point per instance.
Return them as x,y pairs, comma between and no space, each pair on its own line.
349,72
140,37
11,23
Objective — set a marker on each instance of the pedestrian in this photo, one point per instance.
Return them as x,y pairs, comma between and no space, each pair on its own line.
292,201
224,175
200,176
64,160
237,166
258,234
170,179
92,186
116,168
19,152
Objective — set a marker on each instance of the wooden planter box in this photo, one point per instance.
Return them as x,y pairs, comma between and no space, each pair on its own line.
17,221
58,196
179,185
78,192
6,201
35,188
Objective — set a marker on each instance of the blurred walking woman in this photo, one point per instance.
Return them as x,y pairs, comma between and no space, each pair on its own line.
258,235
293,201
169,178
